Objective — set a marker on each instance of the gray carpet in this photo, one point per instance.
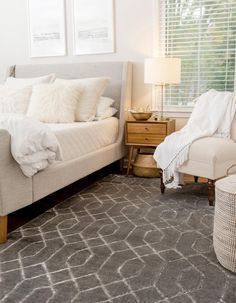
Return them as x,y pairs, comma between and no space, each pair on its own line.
118,241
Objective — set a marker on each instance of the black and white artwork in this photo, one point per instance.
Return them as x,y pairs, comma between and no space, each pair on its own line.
93,27
47,28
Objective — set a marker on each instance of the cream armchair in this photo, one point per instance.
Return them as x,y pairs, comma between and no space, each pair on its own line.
210,158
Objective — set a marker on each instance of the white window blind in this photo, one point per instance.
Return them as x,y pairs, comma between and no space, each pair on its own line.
202,33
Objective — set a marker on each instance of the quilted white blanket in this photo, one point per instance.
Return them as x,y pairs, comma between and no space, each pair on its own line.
212,116
33,145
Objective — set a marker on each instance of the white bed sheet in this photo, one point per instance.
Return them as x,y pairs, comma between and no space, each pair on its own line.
80,138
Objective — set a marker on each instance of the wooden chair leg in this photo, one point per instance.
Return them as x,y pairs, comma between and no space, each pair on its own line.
162,185
3,229
211,192
196,179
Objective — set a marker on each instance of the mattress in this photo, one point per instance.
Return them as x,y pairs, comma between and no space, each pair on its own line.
80,138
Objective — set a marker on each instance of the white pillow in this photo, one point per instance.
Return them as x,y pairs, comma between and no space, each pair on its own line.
54,103
111,111
14,100
23,82
103,104
93,89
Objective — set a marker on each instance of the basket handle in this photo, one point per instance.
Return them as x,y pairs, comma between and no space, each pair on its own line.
228,170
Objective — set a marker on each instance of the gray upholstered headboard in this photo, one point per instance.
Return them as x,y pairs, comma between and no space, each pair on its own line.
120,73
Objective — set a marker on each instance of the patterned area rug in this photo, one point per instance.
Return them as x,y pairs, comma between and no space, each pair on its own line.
118,241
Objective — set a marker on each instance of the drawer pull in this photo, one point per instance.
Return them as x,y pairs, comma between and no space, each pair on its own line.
146,139
146,129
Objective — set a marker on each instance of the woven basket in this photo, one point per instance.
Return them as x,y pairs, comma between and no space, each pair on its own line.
145,166
224,235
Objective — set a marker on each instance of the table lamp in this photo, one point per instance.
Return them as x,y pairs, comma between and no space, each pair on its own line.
161,71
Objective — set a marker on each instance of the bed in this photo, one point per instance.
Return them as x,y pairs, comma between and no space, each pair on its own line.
86,146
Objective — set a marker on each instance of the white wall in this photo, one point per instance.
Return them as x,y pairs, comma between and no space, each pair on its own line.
133,28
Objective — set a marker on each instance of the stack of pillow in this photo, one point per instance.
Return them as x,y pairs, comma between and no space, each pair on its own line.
52,100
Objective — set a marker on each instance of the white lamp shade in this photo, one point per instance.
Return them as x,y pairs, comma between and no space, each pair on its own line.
162,70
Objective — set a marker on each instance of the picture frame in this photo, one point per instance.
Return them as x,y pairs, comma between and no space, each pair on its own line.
47,30
93,27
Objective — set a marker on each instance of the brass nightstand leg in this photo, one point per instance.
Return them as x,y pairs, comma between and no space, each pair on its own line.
131,148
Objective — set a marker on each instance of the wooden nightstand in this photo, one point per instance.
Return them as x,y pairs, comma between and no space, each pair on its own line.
146,134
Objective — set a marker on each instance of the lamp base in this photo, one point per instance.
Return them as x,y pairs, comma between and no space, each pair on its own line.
164,118
156,117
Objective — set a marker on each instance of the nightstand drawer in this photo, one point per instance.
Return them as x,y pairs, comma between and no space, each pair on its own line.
145,138
146,128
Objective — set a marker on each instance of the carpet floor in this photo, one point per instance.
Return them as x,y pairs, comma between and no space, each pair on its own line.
118,241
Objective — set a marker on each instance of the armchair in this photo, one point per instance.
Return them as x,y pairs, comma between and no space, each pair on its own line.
210,158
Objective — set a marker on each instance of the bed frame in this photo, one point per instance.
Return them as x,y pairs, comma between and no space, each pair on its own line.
18,191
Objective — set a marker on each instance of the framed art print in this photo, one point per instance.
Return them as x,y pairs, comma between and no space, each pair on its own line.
93,27
47,28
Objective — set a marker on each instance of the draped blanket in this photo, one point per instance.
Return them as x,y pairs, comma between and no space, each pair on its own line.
33,145
212,116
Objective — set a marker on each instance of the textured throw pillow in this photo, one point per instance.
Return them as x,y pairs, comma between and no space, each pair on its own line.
23,82
54,103
14,100
111,111
103,104
93,89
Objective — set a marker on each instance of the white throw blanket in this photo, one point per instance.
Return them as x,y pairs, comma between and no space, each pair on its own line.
33,145
212,116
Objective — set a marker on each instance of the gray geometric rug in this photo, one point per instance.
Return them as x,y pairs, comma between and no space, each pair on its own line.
118,241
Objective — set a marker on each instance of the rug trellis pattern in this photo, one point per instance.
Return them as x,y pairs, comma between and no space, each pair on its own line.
118,241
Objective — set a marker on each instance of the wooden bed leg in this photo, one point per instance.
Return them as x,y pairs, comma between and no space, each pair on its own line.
3,229
211,192
162,186
195,179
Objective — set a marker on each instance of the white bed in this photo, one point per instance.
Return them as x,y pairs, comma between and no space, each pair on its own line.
87,146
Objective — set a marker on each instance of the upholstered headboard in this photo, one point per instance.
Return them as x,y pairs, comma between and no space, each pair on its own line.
119,72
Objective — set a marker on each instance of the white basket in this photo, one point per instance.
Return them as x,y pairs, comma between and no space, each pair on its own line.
224,235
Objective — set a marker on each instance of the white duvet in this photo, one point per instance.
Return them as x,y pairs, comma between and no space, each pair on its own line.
81,138
33,144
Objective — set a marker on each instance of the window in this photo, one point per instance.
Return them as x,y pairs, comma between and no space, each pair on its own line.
202,33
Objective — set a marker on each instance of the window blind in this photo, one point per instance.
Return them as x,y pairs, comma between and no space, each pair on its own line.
202,33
